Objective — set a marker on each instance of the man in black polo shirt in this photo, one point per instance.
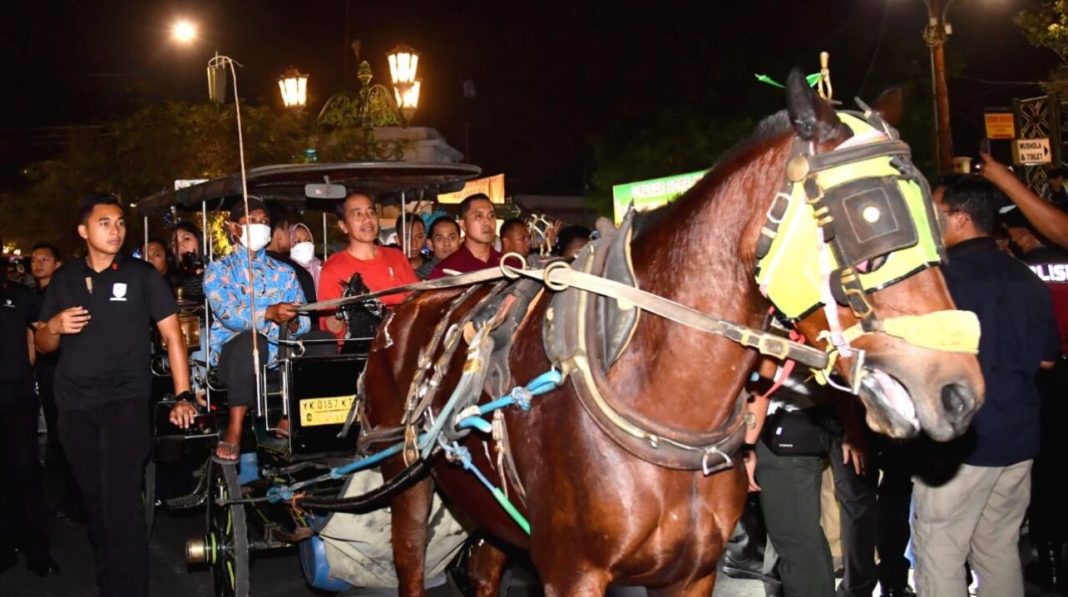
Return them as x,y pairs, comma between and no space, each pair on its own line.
22,510
99,311
973,510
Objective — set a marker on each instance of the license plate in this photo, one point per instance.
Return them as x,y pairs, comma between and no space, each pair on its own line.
325,411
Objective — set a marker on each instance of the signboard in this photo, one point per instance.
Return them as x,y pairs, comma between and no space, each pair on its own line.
650,194
490,185
1000,125
183,183
1031,151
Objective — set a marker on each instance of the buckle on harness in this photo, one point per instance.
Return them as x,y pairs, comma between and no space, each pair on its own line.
706,469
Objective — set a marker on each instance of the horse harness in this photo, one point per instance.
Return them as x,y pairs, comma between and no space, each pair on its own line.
846,223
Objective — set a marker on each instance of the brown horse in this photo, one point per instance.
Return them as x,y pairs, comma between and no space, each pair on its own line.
599,515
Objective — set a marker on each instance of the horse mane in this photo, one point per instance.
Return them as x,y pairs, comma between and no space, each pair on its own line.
769,128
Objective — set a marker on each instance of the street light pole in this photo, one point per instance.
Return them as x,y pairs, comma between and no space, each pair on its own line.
935,35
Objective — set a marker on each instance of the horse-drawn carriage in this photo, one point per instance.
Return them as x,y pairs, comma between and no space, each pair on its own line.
625,467
314,393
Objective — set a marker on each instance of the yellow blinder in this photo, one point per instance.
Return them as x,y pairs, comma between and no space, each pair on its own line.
790,274
868,206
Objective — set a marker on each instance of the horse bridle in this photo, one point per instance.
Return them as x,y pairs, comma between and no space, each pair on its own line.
850,222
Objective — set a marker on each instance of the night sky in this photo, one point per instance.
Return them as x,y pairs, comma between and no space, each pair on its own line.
549,76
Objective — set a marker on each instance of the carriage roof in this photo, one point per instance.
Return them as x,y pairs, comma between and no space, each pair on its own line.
285,183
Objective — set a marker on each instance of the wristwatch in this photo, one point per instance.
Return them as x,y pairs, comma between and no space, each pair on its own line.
187,396
747,448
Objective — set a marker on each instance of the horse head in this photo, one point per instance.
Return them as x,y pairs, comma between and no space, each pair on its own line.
849,253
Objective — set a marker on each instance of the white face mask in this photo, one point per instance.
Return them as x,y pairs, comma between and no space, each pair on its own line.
303,252
255,236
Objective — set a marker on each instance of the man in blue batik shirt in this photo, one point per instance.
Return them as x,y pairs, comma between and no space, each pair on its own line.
226,285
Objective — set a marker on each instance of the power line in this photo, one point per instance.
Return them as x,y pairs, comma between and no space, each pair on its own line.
875,52
996,82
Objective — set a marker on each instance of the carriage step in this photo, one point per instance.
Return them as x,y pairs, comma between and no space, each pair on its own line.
184,502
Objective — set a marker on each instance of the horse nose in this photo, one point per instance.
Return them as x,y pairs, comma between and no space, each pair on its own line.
956,399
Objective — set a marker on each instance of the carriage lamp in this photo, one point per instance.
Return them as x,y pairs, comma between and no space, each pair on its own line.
403,67
294,87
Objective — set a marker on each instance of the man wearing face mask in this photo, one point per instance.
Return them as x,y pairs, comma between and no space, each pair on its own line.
226,284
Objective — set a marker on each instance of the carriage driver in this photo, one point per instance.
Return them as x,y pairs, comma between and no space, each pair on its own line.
379,267
226,285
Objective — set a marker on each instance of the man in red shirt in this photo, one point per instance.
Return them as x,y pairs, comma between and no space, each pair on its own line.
480,230
380,267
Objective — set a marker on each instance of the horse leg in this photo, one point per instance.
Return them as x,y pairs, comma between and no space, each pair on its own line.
571,579
485,569
410,510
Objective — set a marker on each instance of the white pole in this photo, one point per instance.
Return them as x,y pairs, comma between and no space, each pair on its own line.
206,253
324,237
244,197
404,226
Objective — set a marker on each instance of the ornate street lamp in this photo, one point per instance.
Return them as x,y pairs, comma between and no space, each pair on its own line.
356,114
403,67
294,87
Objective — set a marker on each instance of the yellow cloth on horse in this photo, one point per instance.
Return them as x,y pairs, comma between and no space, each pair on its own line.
951,331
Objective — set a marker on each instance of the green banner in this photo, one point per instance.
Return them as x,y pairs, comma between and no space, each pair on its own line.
650,194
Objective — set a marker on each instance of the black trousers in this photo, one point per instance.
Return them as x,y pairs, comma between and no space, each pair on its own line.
23,517
791,503
60,486
107,447
1048,521
859,521
236,371
896,461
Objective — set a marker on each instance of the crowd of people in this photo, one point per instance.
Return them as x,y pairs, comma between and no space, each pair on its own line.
952,513
78,340
77,345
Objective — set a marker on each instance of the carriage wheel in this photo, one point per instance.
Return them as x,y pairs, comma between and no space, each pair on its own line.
227,539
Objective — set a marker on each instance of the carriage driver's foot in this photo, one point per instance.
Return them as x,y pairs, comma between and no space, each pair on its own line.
229,447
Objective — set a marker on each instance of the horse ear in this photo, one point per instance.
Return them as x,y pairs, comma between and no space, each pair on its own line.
812,116
891,105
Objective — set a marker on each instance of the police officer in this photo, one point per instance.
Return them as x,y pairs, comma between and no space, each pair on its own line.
98,311
1048,529
22,510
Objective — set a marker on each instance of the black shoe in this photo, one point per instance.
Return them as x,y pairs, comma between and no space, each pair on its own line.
44,566
744,569
906,592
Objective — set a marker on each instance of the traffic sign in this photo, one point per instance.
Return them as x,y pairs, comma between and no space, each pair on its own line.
1031,151
1000,125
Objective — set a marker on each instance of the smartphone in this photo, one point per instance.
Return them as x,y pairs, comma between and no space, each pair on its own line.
977,163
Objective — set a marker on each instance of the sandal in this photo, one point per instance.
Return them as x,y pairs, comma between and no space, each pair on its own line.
226,453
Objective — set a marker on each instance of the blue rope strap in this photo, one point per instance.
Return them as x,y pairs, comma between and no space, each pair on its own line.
519,396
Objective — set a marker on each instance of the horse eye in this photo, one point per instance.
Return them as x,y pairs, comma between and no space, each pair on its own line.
870,265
